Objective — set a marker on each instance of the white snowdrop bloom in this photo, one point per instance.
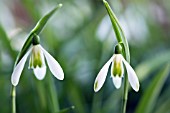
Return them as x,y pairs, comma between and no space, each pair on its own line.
37,63
117,71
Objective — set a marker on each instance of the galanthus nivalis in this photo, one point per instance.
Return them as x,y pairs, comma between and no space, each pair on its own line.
117,71
37,63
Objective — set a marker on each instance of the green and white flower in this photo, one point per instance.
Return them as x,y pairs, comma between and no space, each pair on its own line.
117,71
37,63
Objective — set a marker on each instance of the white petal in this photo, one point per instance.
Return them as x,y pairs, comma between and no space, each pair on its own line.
117,81
40,72
54,66
18,69
133,79
101,77
42,58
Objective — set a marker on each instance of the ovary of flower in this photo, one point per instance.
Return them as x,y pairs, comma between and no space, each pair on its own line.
117,72
37,63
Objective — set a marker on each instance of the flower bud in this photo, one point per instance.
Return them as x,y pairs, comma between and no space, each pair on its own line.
118,49
36,40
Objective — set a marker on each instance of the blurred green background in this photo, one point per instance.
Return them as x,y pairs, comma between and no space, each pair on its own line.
81,38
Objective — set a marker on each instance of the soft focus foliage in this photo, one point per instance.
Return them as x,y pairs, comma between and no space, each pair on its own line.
81,39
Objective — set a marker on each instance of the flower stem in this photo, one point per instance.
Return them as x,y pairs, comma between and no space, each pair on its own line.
36,30
123,41
125,96
13,95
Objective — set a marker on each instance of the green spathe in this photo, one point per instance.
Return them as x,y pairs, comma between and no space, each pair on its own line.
36,30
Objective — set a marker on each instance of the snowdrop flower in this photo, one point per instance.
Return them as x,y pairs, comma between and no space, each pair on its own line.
117,71
37,63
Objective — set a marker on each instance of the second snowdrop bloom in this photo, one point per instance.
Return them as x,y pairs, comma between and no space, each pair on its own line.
117,71
37,63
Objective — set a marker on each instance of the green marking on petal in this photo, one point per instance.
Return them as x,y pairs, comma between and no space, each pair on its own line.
117,67
137,86
96,85
39,60
36,59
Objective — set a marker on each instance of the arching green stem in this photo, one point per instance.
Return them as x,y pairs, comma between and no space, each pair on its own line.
123,41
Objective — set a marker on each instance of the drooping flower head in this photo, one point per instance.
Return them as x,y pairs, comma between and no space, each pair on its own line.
37,63
117,71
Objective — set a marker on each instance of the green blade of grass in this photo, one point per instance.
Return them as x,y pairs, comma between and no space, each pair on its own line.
151,64
150,96
6,42
66,110
162,105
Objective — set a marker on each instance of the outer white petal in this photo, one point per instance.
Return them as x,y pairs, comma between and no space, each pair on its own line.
42,57
18,69
54,66
101,77
133,79
117,81
40,72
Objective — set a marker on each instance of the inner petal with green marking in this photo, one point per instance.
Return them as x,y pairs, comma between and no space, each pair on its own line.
36,58
117,66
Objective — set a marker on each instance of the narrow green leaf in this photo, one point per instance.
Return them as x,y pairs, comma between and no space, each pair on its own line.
41,93
66,110
75,96
53,96
151,64
162,105
151,94
36,30
6,42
